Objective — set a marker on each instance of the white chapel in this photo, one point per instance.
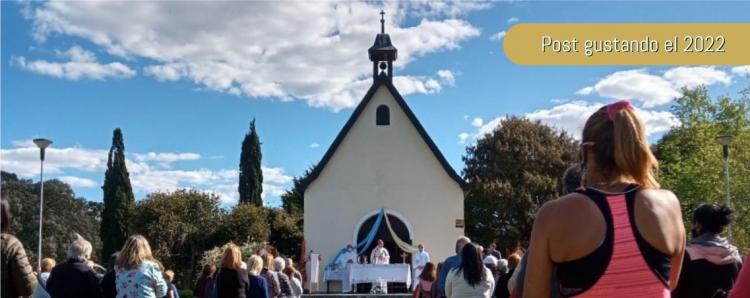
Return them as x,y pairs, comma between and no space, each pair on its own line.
383,159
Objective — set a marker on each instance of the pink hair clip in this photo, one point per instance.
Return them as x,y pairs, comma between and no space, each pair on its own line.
588,144
615,107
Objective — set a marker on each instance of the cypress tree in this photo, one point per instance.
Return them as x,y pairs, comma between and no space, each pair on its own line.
251,175
118,199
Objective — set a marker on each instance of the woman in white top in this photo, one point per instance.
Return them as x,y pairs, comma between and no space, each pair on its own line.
471,278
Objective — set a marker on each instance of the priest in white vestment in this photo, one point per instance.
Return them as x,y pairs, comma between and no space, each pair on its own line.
379,254
418,260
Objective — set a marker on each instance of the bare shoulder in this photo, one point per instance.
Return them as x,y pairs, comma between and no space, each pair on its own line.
660,199
561,207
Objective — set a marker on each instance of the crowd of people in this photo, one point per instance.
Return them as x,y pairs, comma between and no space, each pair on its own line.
614,233
134,272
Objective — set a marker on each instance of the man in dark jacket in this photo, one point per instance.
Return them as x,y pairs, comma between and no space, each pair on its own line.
73,278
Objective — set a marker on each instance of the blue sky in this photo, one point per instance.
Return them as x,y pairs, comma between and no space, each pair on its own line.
183,80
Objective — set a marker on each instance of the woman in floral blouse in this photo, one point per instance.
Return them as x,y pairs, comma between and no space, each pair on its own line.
138,273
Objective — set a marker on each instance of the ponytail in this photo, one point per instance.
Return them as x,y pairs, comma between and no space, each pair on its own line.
620,144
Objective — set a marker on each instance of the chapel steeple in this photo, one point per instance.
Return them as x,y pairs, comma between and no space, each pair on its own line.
382,53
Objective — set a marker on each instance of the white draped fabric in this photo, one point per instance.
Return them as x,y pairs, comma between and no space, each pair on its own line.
369,273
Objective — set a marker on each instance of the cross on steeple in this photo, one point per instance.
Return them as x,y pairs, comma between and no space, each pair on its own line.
382,21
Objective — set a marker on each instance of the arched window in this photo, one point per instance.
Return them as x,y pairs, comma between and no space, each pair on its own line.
383,115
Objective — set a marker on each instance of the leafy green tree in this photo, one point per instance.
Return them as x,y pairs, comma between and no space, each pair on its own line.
292,201
180,226
245,223
691,161
286,231
511,172
64,216
118,198
251,174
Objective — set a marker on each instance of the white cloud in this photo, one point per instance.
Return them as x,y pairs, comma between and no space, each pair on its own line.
165,159
692,77
572,116
488,127
654,90
498,36
477,122
82,64
314,145
446,76
149,172
638,84
74,181
24,159
512,20
316,54
412,84
585,90
463,137
742,71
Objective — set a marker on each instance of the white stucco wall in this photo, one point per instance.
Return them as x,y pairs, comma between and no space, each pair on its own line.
383,167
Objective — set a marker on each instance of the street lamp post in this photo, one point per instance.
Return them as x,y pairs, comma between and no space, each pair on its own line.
724,141
42,144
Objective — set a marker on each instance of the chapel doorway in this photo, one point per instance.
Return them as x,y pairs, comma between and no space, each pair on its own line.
399,227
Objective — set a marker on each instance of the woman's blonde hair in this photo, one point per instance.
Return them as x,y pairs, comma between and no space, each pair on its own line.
617,138
134,252
232,258
47,265
255,265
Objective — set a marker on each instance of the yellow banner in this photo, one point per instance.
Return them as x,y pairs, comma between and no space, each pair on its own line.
628,44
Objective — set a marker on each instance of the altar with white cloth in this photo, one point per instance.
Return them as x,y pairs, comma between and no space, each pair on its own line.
353,274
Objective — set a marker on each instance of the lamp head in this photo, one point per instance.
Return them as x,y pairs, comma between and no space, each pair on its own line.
724,140
42,143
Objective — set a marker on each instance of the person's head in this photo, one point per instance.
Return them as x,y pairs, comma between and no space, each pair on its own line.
571,179
169,275
255,265
208,269
289,263
490,262
502,266
429,273
420,247
614,145
47,265
268,262
278,264
348,248
380,243
439,267
471,264
5,216
134,252
80,249
513,260
232,258
493,246
711,218
289,272
461,242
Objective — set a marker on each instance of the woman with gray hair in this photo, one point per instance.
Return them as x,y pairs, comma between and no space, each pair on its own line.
285,284
74,278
